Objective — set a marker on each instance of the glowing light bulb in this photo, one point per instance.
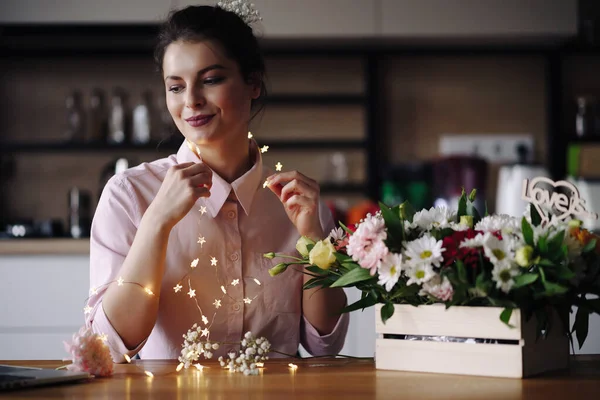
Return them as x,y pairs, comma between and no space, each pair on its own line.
202,210
217,303
120,281
199,367
257,281
150,374
250,136
127,358
264,149
147,290
201,240
223,290
278,166
179,367
177,288
293,367
194,263
192,293
247,300
235,282
87,309
213,261
204,319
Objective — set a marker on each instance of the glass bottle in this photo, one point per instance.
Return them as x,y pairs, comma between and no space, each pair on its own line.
583,117
98,117
75,117
142,125
117,118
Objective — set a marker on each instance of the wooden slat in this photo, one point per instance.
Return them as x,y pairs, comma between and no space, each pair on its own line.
44,246
435,320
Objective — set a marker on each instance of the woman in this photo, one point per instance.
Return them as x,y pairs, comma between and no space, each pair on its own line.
207,203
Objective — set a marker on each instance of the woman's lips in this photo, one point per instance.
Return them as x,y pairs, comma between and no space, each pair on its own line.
199,120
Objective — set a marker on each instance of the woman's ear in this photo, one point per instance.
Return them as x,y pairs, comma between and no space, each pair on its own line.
255,83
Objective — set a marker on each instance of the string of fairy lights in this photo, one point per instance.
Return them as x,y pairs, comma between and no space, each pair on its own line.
191,292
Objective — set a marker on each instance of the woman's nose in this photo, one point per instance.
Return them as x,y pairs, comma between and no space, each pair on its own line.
195,99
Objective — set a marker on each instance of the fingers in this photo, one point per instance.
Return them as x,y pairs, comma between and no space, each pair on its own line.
201,191
298,187
300,201
283,177
203,179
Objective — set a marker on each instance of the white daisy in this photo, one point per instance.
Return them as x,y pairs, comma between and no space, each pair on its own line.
503,274
420,274
455,226
498,251
337,234
502,222
389,270
425,250
477,241
434,218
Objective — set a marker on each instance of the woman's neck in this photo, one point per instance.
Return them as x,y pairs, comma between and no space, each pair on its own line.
230,162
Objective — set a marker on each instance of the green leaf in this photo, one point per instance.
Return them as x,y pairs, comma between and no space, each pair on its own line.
527,232
581,325
482,284
462,271
462,206
314,282
563,272
387,311
407,211
316,270
543,244
505,316
536,219
525,279
486,213
345,228
352,277
556,242
342,258
472,195
472,211
546,263
553,289
590,246
393,223
363,303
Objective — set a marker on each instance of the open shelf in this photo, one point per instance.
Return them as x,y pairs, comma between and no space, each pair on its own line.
57,147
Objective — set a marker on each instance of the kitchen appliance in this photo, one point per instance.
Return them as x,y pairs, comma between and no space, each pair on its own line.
510,184
452,174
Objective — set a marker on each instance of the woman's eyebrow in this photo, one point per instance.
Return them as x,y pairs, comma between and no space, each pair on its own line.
201,72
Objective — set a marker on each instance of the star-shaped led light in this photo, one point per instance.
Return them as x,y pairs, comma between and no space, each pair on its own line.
147,290
204,319
278,166
93,291
87,309
194,263
202,210
150,374
264,149
217,303
177,288
250,135
192,293
127,358
257,281
201,240
199,367
120,281
235,282
223,290
266,184
247,300
103,337
205,332
213,261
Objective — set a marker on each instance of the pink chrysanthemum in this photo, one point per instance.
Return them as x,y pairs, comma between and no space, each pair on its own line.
366,245
89,353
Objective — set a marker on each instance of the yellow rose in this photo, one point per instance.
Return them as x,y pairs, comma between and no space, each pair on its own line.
524,256
301,245
322,255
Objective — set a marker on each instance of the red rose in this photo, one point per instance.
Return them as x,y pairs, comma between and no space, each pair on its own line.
468,255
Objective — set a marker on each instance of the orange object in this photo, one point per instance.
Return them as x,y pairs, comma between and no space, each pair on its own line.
360,211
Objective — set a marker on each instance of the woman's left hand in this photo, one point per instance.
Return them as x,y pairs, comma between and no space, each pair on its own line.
300,198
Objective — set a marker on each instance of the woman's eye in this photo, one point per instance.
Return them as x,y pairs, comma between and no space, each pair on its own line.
175,89
213,81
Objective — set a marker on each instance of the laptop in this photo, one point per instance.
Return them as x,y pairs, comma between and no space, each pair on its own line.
14,377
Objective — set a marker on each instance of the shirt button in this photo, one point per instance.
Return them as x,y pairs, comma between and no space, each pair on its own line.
234,257
231,214
236,307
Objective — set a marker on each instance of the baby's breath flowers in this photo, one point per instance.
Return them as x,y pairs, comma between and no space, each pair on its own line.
194,347
252,354
244,9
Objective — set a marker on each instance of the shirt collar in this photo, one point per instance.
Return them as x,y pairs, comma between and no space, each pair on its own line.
244,187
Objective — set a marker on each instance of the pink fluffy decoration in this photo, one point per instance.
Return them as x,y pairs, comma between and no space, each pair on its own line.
89,353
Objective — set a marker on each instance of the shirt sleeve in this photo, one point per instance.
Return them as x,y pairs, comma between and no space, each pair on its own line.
311,340
112,234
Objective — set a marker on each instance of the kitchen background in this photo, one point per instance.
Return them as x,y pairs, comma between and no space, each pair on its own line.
376,99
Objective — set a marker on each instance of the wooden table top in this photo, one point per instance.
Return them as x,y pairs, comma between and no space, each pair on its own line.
315,378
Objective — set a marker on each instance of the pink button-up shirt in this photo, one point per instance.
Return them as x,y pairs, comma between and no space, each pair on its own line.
242,221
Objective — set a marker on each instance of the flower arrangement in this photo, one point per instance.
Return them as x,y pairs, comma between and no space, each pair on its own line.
399,256
89,353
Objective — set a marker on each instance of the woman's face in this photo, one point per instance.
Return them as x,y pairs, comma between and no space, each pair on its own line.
206,94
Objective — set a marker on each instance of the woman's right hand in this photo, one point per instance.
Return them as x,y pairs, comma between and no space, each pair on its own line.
183,185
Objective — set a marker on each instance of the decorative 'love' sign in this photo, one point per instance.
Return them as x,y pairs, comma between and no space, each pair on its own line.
561,204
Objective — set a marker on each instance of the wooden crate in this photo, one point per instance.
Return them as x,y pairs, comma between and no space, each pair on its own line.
526,357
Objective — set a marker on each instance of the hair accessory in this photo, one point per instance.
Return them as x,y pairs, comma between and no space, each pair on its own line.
244,9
